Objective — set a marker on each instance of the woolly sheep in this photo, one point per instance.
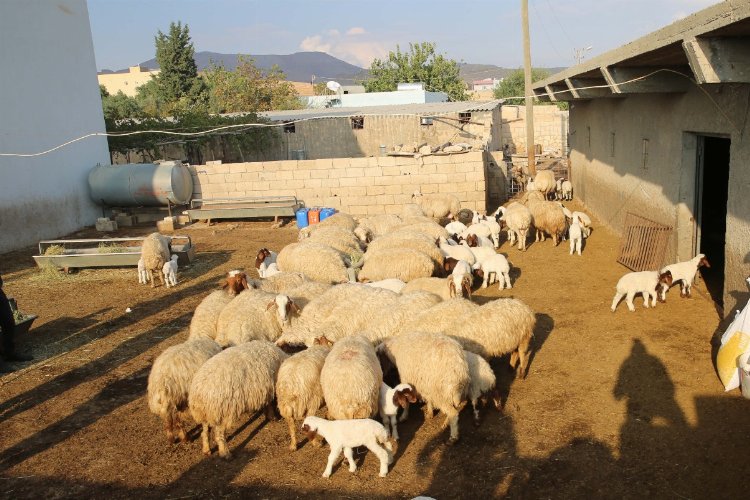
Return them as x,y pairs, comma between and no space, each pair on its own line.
281,282
646,283
407,239
142,274
436,286
257,316
440,317
544,182
412,210
495,268
461,279
170,378
170,271
530,196
392,284
345,435
437,205
341,311
391,317
435,366
518,220
351,378
548,218
155,253
684,272
567,190
378,225
496,328
429,228
339,219
237,381
585,222
455,227
458,252
298,390
317,261
401,263
576,237
206,315
482,383
338,238
391,399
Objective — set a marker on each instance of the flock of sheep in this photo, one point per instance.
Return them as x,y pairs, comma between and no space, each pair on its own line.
349,303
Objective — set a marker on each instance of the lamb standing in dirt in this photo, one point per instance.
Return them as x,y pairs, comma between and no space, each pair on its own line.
170,271
482,383
236,382
684,272
170,379
345,435
647,283
155,253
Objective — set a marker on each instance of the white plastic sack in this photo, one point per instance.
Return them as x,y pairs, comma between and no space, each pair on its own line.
734,343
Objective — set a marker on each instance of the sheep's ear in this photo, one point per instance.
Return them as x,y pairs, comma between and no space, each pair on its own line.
270,305
466,286
294,306
243,281
224,284
451,287
410,395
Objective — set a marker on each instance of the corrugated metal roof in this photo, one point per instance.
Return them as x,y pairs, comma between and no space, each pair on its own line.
428,109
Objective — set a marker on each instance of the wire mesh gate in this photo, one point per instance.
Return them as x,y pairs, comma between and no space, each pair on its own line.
644,243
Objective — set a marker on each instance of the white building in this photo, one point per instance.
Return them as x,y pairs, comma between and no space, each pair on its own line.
406,94
50,97
485,84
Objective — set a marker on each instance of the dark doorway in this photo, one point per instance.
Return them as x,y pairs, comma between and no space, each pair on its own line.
713,182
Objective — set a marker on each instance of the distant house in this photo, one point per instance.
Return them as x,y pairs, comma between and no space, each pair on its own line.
485,84
658,127
406,94
127,82
49,98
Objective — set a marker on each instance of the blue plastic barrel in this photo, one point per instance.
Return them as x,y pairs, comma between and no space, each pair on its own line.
302,218
326,212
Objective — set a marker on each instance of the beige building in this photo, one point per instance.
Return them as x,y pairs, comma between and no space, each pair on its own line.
126,82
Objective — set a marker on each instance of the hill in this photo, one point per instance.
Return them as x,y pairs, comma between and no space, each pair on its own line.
471,72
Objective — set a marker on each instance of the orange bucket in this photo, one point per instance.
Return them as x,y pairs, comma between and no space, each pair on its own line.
313,216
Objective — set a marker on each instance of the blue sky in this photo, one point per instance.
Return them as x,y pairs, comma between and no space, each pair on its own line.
473,31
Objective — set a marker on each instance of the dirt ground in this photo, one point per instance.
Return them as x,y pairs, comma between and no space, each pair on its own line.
615,405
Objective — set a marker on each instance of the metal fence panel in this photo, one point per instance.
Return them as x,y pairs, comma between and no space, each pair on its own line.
644,243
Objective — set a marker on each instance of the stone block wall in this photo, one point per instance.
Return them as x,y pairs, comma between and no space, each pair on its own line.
359,186
550,128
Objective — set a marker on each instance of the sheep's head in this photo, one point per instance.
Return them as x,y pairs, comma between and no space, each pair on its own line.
322,340
235,282
364,234
309,429
284,308
403,395
472,240
449,264
263,253
703,262
456,238
665,278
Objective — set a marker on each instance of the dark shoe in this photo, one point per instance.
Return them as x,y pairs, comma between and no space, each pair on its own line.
15,356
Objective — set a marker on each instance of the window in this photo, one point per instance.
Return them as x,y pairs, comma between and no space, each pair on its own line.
289,128
425,120
358,122
464,117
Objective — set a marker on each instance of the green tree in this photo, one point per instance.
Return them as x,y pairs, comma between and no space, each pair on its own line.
248,89
420,64
119,106
514,85
178,85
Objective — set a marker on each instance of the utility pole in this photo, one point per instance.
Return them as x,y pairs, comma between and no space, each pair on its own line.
528,91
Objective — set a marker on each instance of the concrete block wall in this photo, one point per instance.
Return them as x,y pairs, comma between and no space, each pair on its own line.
359,186
550,128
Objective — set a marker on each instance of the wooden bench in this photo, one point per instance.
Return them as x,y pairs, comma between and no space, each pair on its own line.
244,208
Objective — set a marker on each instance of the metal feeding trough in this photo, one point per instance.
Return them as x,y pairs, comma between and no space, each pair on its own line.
244,208
106,252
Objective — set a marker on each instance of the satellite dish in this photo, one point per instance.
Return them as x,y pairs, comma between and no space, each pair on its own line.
333,86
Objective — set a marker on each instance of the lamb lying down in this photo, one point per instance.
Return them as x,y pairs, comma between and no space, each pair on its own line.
348,434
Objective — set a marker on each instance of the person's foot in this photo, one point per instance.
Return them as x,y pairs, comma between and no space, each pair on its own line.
16,356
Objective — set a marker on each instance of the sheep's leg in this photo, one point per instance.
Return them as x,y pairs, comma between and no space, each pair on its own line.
616,300
452,420
292,433
150,274
629,301
405,414
394,426
507,281
181,436
382,454
572,245
688,289
269,413
475,406
652,295
335,452
204,440
646,296
485,280
429,412
578,246
169,426
349,454
221,442
523,356
513,359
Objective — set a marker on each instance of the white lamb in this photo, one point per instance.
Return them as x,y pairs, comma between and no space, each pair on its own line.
567,190
458,252
646,283
345,435
455,227
576,236
263,260
482,382
585,222
170,271
142,274
495,268
494,230
461,279
684,272
391,399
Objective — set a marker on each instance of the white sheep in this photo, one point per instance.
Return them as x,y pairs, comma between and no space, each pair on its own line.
544,182
435,366
496,328
405,264
317,261
437,205
391,317
142,274
585,222
426,226
439,318
391,399
206,315
339,219
474,240
298,390
393,284
345,435
170,378
548,218
155,253
378,225
407,239
237,381
646,283
482,382
412,210
494,230
351,378
567,190
455,227
338,238
482,253
684,272
437,286
576,237
170,271
558,189
264,260
461,279
281,282
254,315
458,252
495,268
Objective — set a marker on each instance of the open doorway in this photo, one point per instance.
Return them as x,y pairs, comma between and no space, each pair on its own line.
711,210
